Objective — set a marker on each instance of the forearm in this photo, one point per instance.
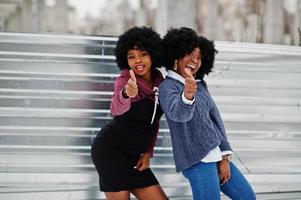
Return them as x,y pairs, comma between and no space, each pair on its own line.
174,107
225,147
119,104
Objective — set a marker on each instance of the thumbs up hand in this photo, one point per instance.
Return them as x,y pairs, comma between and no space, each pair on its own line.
131,88
190,86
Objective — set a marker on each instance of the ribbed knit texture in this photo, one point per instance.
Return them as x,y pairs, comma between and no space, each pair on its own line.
195,129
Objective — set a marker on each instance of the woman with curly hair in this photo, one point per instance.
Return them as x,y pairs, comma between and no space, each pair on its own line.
200,145
121,151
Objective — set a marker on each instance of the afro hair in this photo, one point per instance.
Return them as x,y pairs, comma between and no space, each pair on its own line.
142,38
208,52
177,43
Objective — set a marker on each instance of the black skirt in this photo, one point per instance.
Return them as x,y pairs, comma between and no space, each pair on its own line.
117,149
116,169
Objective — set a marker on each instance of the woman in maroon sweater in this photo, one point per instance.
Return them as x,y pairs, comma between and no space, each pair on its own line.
122,149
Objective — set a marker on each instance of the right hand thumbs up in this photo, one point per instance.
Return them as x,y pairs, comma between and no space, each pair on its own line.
133,77
190,86
131,88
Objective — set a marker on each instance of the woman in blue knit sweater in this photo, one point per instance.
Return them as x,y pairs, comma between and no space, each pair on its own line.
200,146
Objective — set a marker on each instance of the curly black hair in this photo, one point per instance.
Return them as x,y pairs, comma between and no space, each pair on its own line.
208,52
142,38
177,43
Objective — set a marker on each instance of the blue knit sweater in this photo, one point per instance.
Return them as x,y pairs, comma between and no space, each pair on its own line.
195,129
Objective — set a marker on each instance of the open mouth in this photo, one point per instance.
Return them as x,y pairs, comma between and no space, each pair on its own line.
190,67
139,68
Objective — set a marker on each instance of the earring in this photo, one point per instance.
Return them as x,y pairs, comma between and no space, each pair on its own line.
175,66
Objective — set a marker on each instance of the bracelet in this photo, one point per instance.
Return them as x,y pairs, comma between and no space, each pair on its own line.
227,157
124,94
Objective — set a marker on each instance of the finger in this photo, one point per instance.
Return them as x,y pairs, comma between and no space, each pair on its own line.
190,88
188,73
132,89
222,180
133,77
132,84
190,94
224,177
228,177
225,180
141,168
131,93
191,81
138,165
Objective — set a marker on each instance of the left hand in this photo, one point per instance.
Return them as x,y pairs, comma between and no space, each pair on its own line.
143,162
224,171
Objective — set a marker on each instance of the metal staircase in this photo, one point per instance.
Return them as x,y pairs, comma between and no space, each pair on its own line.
55,93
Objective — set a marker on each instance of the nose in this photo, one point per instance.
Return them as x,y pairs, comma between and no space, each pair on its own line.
138,59
193,57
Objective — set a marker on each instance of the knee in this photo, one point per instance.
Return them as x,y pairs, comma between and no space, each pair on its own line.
247,195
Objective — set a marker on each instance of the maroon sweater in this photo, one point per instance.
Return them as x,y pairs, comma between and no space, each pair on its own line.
120,105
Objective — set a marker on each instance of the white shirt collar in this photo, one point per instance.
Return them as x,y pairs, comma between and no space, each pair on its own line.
175,75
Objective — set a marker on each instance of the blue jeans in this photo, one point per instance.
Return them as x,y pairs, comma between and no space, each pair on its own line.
205,185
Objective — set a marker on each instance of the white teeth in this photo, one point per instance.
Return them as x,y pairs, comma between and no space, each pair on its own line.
191,66
140,67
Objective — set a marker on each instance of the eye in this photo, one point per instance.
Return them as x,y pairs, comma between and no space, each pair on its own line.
131,57
144,54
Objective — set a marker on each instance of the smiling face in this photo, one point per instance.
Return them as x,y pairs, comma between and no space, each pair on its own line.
140,62
190,61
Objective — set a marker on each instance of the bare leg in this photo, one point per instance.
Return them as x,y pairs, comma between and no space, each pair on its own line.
154,192
122,195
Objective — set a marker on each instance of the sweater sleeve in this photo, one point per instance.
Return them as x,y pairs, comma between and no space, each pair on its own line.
119,104
170,97
151,145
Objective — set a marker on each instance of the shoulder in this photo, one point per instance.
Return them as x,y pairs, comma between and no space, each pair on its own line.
125,73
204,84
162,71
170,80
169,83
157,74
123,77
